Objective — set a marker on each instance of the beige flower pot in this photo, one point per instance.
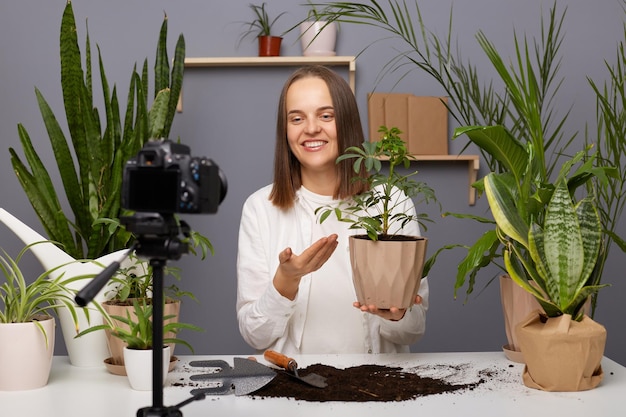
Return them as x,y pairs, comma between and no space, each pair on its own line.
116,345
25,358
561,354
387,273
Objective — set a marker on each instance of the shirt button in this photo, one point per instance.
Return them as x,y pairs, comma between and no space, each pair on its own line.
369,350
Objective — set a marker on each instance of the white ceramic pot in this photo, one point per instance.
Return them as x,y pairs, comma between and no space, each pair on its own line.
138,364
25,356
318,38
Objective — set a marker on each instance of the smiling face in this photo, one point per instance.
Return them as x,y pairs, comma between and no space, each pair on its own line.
312,133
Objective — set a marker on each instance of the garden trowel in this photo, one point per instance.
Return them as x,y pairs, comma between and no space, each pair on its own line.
245,377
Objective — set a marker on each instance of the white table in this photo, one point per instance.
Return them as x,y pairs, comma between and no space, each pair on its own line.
94,392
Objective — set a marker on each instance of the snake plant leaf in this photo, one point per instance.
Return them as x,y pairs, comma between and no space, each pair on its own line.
157,114
504,208
176,82
543,276
563,243
591,235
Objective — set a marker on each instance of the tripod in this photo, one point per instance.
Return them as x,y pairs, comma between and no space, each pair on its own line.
157,240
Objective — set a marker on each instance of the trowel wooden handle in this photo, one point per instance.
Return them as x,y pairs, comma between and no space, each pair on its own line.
281,360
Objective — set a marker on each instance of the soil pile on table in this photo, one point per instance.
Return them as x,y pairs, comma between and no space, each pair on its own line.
358,384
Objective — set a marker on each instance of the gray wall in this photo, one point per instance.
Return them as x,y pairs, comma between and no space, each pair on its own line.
229,115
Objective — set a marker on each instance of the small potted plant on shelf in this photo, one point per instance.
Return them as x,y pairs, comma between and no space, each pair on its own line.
553,261
383,212
27,328
134,329
262,27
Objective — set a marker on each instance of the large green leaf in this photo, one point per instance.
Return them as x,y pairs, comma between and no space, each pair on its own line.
503,206
500,144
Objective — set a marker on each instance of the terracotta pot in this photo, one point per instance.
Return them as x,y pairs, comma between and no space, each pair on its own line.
561,354
269,45
25,357
318,38
387,273
138,364
116,345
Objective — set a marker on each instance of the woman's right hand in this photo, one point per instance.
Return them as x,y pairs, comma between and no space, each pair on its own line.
293,267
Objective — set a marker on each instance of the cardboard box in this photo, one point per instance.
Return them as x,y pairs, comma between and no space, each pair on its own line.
423,120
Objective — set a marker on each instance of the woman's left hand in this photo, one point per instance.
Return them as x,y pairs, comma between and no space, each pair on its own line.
392,313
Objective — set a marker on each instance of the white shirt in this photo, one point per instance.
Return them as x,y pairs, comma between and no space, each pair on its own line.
269,320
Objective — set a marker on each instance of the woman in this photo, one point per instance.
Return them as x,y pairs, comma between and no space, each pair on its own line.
295,292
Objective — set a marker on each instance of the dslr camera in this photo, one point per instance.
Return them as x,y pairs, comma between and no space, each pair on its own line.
164,178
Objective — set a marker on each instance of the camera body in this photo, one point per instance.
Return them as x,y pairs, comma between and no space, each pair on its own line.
164,178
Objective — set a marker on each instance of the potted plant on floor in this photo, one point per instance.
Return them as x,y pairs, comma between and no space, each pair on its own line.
562,347
262,28
27,328
382,213
135,329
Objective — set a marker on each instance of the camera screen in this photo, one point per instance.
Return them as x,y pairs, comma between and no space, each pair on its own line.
153,190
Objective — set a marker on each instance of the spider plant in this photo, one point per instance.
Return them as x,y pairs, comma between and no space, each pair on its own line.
23,302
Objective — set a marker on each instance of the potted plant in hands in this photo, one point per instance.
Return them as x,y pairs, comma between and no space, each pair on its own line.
262,29
135,329
26,327
382,212
561,345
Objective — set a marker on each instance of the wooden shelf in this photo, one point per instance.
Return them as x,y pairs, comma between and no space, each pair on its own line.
473,164
273,61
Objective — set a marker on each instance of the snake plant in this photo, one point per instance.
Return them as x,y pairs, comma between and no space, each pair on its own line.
91,160
559,256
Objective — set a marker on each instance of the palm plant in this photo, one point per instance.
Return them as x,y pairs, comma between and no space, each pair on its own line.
610,148
525,132
100,148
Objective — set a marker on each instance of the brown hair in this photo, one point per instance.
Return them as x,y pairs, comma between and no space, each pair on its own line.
287,179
